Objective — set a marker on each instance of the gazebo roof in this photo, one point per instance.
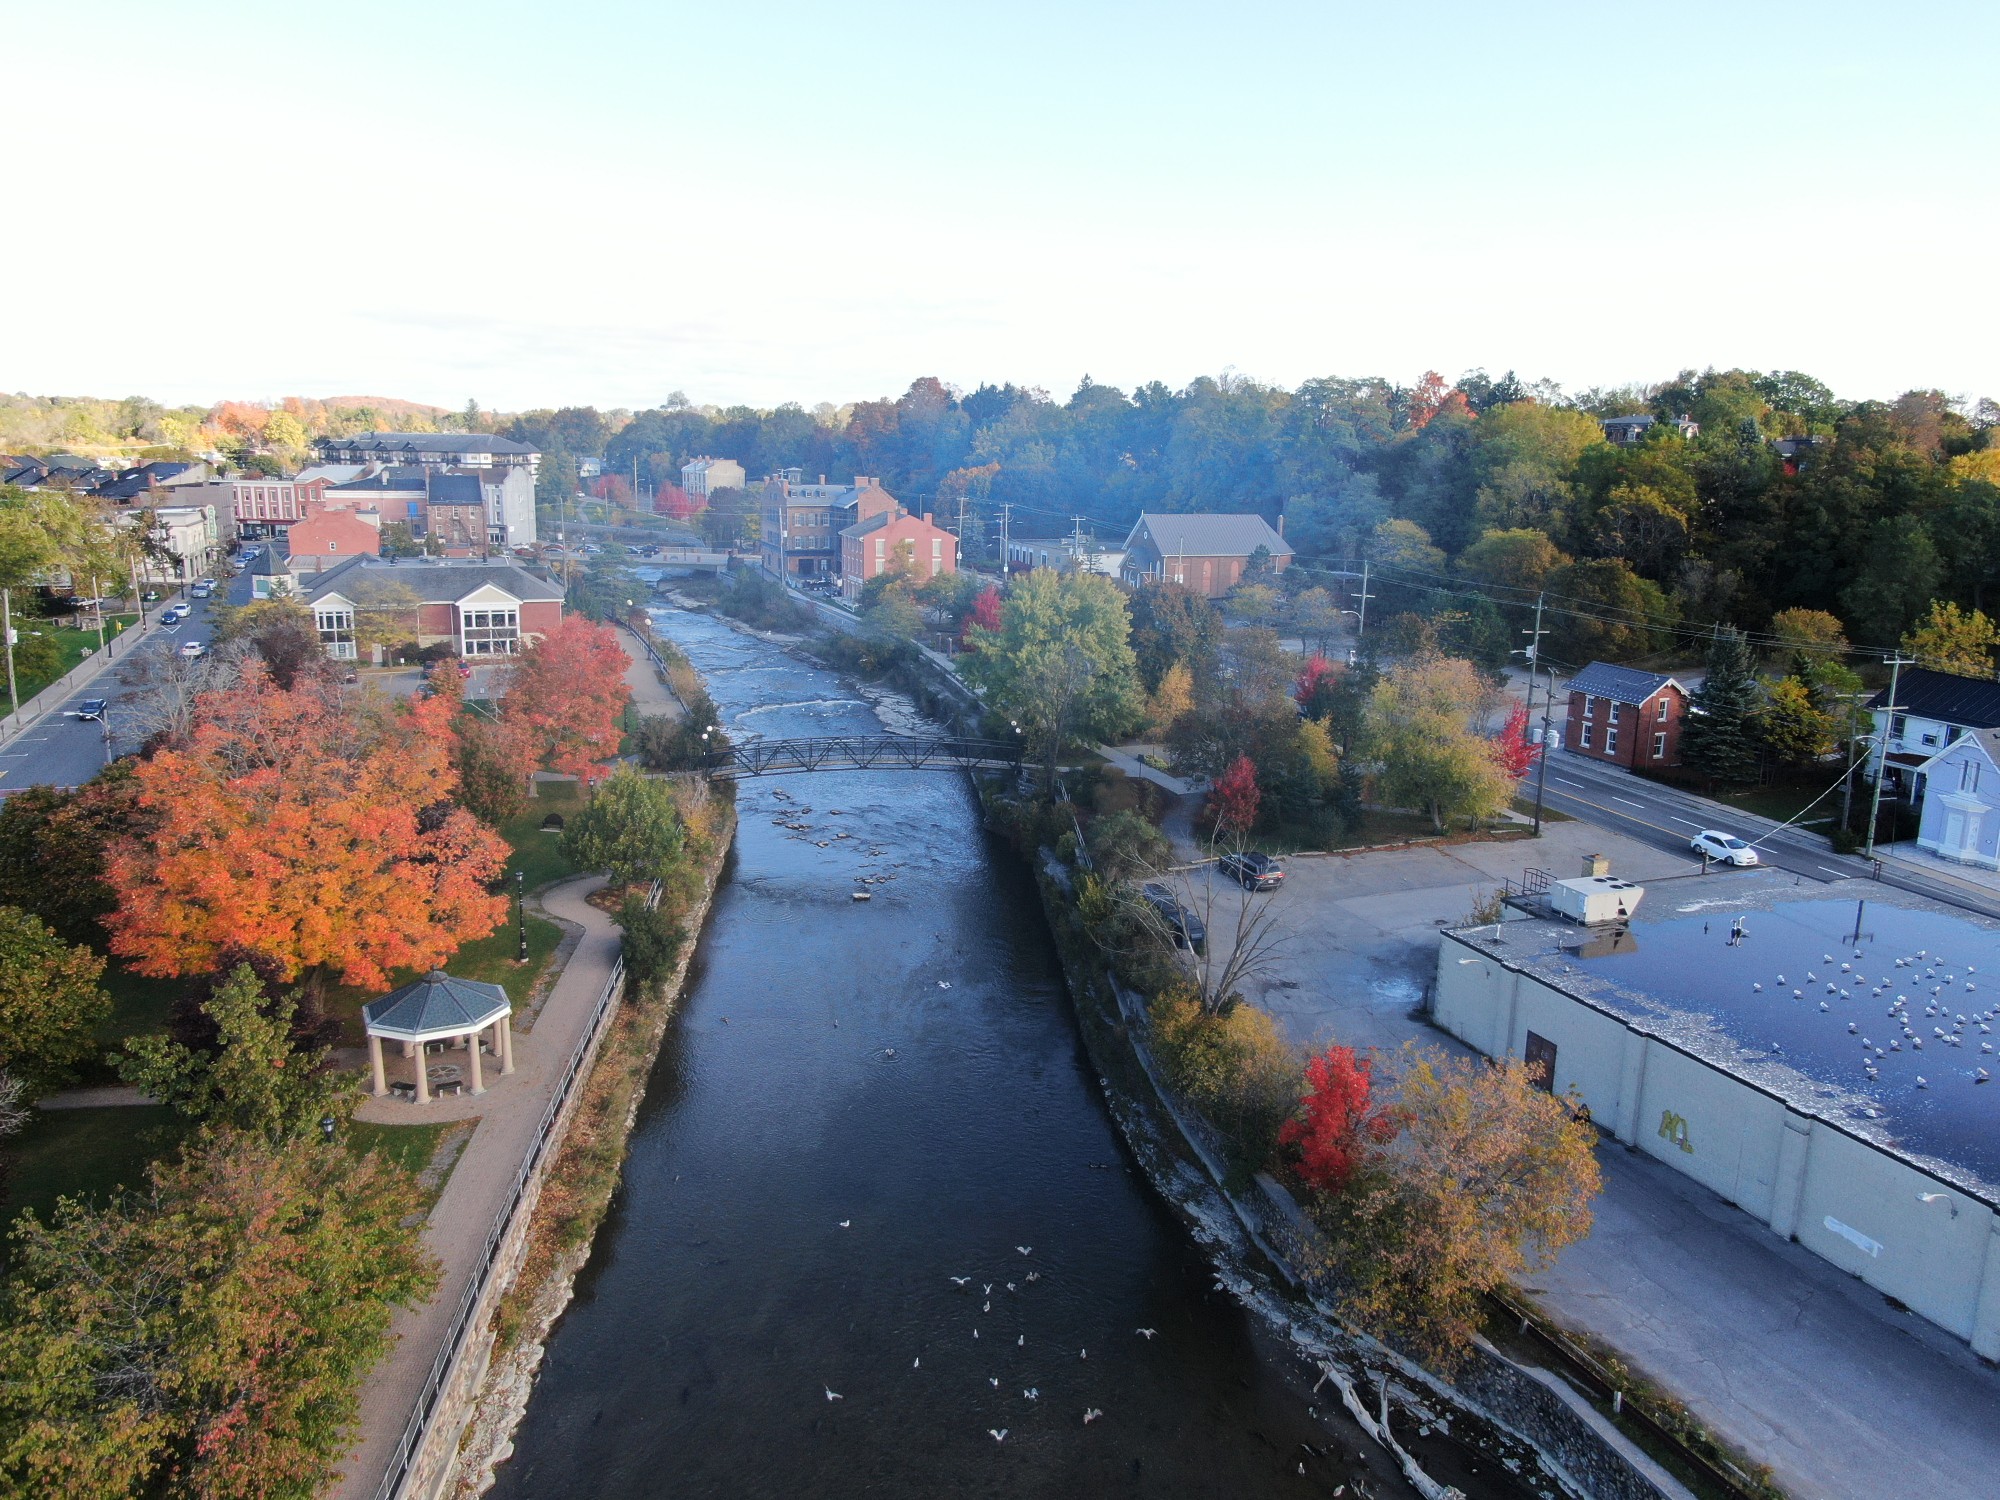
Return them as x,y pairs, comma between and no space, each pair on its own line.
436,1005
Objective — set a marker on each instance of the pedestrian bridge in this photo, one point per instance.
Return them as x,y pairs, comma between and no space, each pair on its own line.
882,752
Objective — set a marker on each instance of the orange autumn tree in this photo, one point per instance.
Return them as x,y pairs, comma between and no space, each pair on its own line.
315,835
568,692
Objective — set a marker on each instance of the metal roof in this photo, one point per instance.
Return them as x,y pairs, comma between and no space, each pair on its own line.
432,582
1208,534
436,1004
1603,679
1973,702
428,442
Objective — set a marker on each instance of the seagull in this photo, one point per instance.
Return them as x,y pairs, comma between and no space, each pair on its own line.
1146,1333
1923,1082
999,1434
1011,1287
1034,1276
917,1362
989,1288
1091,1414
846,1223
833,1395
962,1280
1033,1393
986,1307
944,984
1021,1342
975,1333
994,1381
1980,1075
1025,1250
1083,1354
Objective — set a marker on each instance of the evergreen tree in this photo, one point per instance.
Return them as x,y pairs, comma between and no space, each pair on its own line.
1719,739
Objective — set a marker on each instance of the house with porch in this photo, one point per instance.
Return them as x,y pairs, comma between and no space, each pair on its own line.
1961,812
1933,711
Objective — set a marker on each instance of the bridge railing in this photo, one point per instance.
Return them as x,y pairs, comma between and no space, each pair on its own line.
858,752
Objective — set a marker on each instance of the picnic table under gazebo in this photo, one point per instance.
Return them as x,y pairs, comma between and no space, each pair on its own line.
440,1012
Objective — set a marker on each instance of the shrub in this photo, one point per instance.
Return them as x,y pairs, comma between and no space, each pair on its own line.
651,944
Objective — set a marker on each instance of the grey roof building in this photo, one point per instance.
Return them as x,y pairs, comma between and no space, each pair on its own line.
1207,551
1602,679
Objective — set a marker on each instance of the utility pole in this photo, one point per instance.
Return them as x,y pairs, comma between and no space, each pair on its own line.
1006,521
1533,652
1076,544
1896,665
7,630
1361,615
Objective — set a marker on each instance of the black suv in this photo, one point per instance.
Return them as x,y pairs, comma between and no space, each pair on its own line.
1186,927
1252,871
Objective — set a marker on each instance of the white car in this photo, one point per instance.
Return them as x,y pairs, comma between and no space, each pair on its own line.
192,648
1723,848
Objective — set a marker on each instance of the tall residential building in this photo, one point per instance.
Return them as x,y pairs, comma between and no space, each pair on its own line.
800,527
702,477
506,470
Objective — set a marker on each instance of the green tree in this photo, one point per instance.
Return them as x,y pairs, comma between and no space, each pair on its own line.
1605,611
1899,567
52,845
1174,623
1952,640
1420,728
50,1001
1719,738
652,941
207,1338
257,1081
1520,558
1061,663
630,827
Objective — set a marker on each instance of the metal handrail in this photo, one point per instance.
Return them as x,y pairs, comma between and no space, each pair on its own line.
859,752
417,1428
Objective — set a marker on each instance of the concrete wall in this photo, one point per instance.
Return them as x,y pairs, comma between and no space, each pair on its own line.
1846,1199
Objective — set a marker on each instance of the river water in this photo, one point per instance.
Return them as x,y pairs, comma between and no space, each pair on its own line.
856,1105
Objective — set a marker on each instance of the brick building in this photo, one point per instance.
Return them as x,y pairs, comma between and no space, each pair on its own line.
799,533
1207,552
870,547
327,538
479,609
1625,717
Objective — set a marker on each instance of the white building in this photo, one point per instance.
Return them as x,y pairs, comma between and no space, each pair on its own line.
190,535
704,476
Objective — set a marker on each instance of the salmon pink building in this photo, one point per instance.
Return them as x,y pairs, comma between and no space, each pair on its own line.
872,546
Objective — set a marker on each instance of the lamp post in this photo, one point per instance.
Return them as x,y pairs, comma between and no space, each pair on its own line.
521,913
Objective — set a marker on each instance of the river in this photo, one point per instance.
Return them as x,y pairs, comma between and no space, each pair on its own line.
875,1210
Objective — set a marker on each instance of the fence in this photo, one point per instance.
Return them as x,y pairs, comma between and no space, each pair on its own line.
520,1201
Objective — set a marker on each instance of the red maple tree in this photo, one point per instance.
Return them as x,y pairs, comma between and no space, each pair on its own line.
984,614
1234,797
674,501
307,832
568,692
1340,1123
1315,685
1511,750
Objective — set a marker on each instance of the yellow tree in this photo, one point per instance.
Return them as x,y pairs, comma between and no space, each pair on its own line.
1489,1176
1950,640
1421,730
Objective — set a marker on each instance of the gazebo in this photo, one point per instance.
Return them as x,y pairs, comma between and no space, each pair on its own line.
439,1009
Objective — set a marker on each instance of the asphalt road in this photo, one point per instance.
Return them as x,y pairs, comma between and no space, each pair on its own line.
63,750
1667,818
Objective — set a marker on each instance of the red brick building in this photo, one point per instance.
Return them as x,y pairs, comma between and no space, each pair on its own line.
327,537
478,609
872,546
1625,717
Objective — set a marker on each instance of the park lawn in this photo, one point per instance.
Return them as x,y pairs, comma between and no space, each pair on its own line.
84,1153
410,1147
73,644
490,959
540,855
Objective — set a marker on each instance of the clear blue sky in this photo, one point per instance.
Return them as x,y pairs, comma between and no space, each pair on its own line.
598,202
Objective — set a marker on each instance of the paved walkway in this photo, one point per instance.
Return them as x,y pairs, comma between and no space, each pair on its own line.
508,1114
1126,759
1908,859
649,694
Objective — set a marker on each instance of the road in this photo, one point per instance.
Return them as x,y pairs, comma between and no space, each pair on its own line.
1667,818
63,750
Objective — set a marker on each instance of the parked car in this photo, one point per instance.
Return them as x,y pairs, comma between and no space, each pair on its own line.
173,614
91,708
1252,871
1723,848
1188,930
192,649
201,590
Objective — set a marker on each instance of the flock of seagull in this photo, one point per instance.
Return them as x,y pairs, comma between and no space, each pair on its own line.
1949,1027
1028,1393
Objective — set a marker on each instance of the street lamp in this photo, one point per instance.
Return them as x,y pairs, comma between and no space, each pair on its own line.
521,913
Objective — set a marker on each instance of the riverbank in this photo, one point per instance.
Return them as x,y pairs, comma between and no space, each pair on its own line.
583,1180
1494,1415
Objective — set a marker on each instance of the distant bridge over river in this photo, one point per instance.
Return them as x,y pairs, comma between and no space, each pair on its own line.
881,752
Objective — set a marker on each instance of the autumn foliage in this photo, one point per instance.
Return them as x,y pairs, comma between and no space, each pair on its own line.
305,833
1340,1123
567,692
1511,749
1315,686
984,614
1233,800
672,500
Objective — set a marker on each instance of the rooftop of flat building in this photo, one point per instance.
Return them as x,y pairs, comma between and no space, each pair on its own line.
1799,989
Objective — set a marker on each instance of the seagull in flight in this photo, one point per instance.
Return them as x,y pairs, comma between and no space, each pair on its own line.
989,1288
1024,1249
1011,1287
846,1223
917,1363
998,1434
833,1395
994,1381
1034,1276
1091,1414
960,1280
1033,1393
1146,1333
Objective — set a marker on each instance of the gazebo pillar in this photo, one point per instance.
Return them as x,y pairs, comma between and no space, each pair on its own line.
506,1045
375,1064
423,1077
472,1051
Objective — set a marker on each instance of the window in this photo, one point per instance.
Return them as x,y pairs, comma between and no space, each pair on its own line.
1898,725
1583,737
1611,740
1589,707
1659,747
336,631
1968,776
1662,714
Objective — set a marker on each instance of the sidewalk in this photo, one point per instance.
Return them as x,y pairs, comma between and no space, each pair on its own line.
508,1115
649,694
118,649
1126,759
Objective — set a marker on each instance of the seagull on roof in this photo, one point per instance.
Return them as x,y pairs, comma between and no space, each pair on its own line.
962,1280
1146,1333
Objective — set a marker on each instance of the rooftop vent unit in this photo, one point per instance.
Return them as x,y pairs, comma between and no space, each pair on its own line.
1592,899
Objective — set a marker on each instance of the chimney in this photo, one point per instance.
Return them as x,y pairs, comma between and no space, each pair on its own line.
1281,523
927,519
1595,865
822,479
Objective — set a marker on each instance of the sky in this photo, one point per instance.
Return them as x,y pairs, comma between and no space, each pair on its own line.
605,203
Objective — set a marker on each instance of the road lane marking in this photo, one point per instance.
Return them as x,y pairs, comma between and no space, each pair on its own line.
1689,821
1629,802
1566,781
1839,874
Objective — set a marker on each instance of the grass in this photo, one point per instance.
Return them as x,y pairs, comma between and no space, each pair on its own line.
538,854
490,959
1525,806
410,1147
84,1153
1783,803
72,644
